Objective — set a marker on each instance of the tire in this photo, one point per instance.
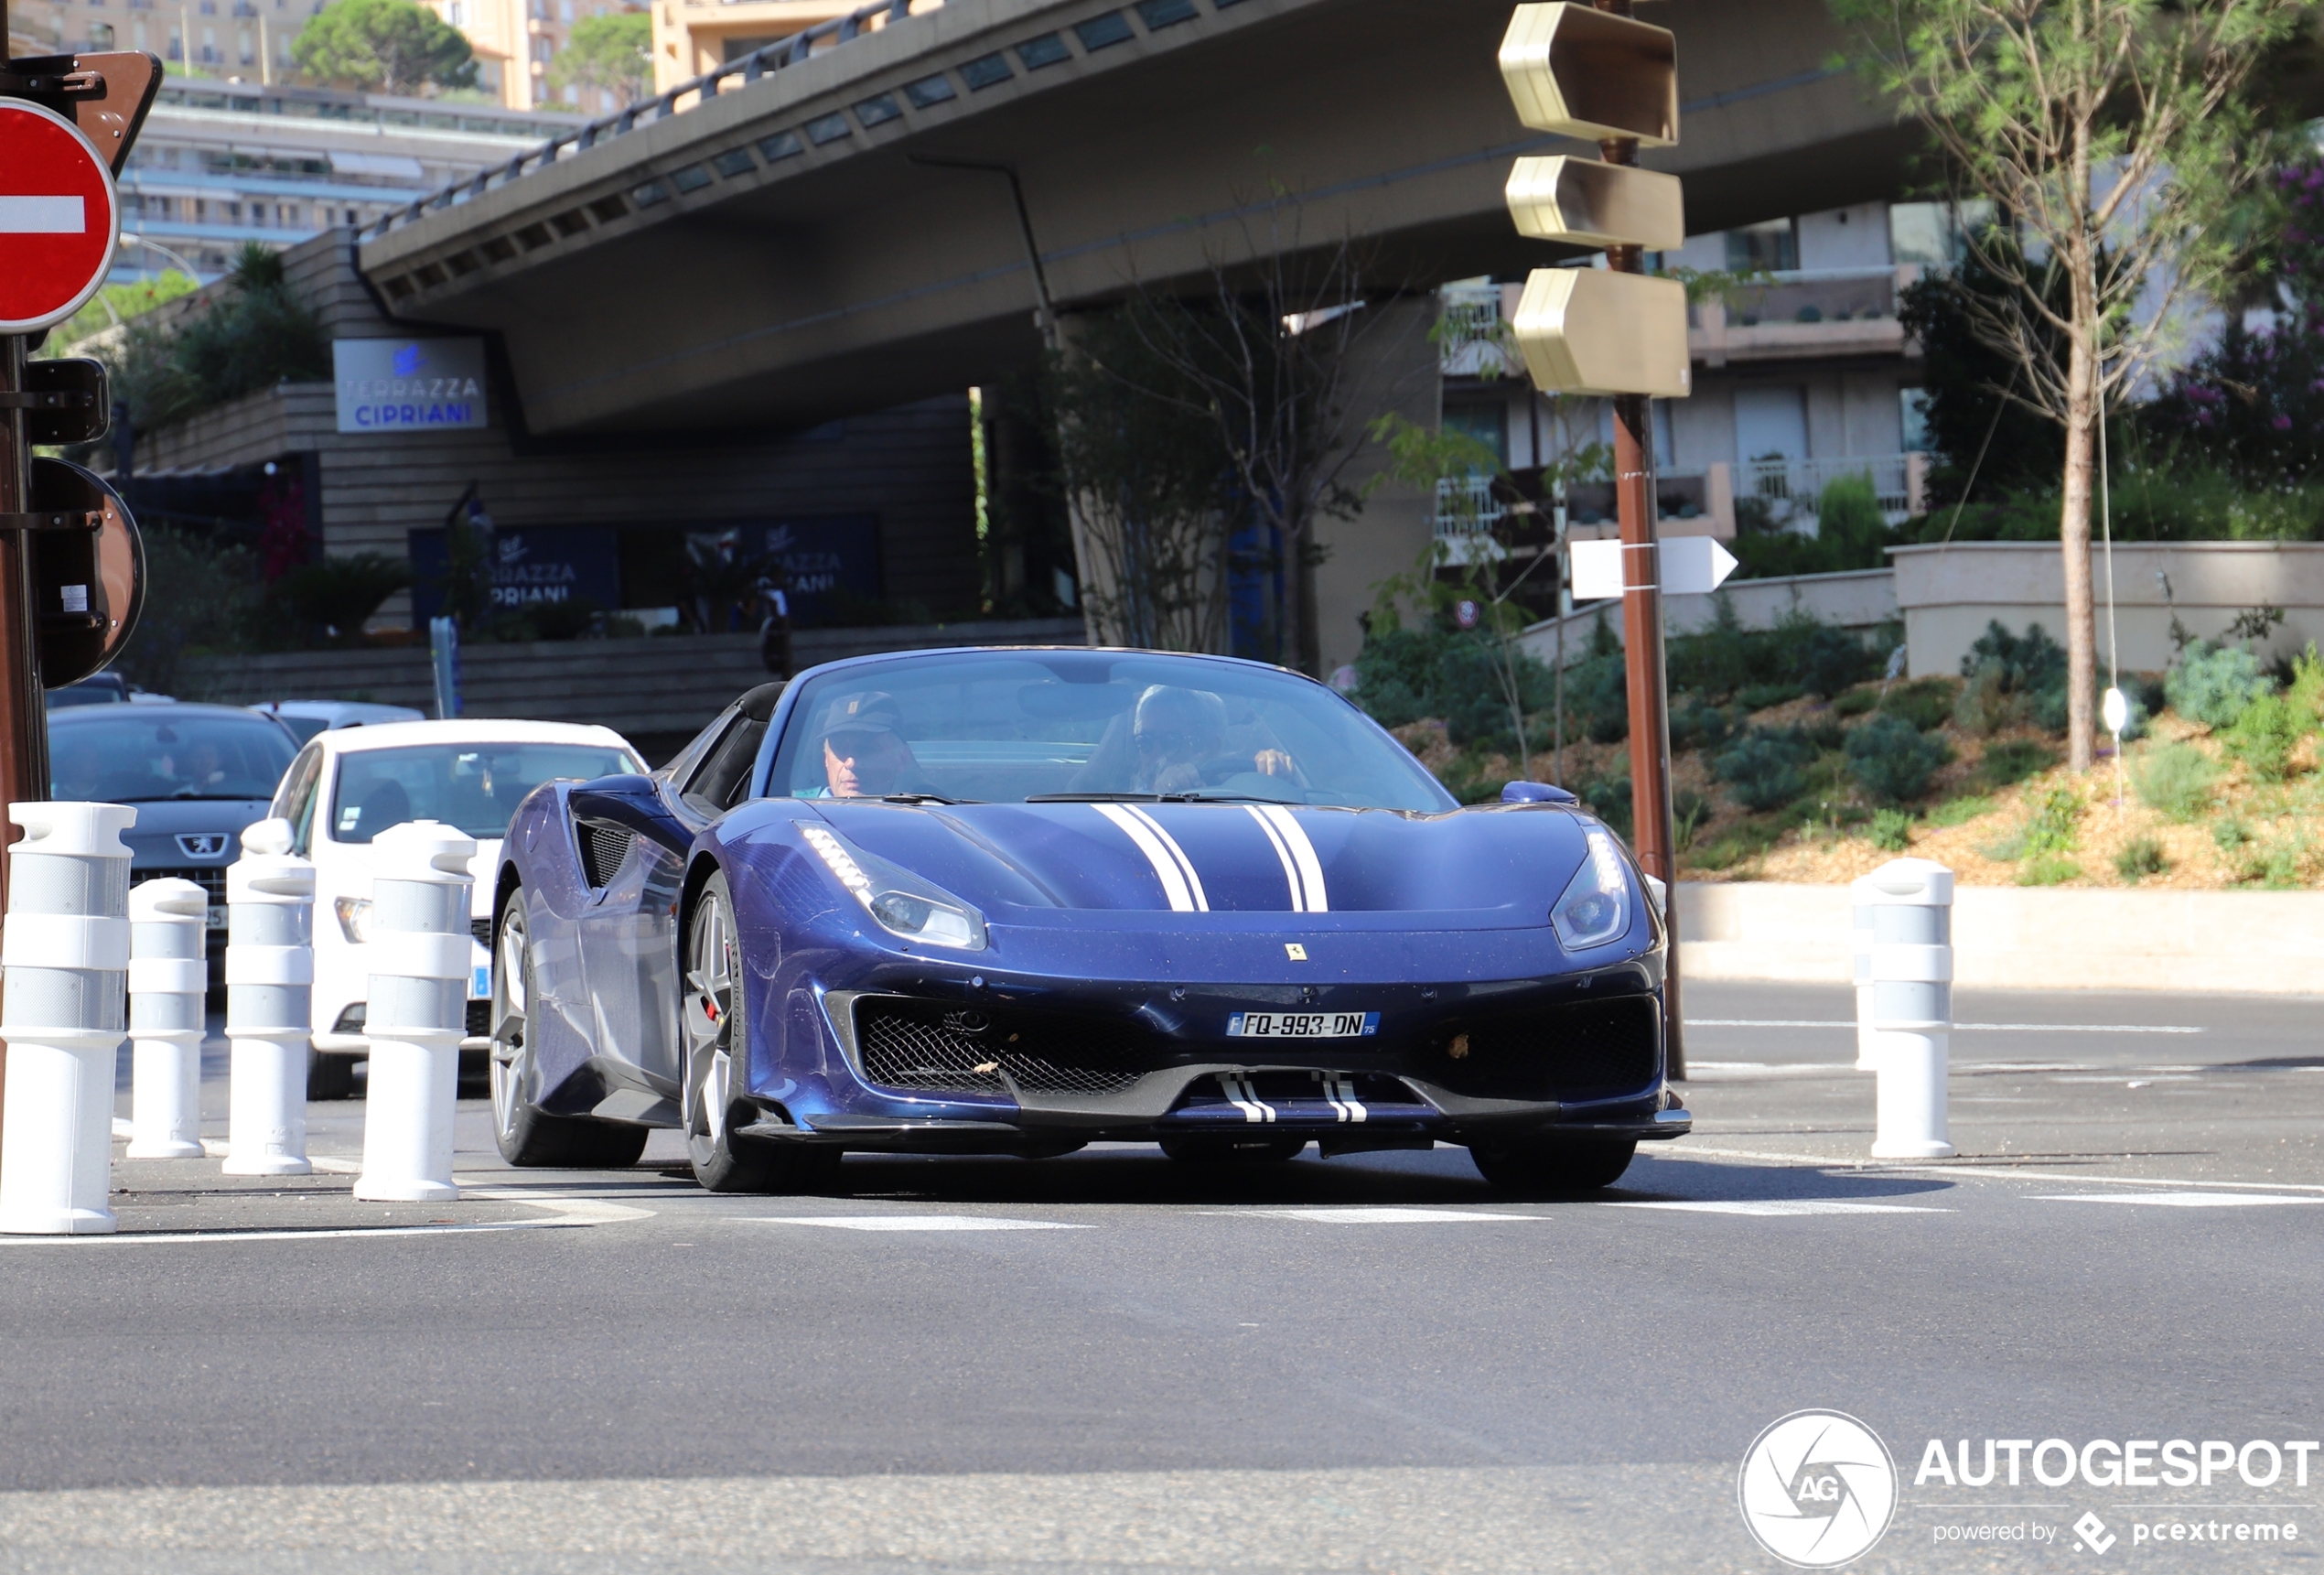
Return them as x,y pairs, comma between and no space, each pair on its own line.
1552,1164
330,1076
717,1034
1213,1149
527,1136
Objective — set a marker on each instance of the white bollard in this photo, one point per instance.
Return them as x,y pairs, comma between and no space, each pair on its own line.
1911,901
65,951
416,1011
270,979
1861,904
168,978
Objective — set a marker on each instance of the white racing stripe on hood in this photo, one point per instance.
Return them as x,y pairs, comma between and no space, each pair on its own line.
1283,852
1171,867
1308,895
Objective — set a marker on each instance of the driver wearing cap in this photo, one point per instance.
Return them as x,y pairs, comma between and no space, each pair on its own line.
864,755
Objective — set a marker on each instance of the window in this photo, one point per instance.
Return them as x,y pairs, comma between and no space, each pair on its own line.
693,177
826,128
781,145
1103,32
1914,404
1005,728
1159,14
984,71
475,787
294,800
1488,424
98,755
100,35
1934,235
1772,248
877,111
735,161
929,90
1046,50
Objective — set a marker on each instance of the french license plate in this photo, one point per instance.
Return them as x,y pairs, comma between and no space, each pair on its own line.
1302,1025
217,917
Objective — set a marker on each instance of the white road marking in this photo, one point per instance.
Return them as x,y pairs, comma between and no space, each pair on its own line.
357,1234
2177,1200
1381,1216
912,1223
1957,1028
1778,1207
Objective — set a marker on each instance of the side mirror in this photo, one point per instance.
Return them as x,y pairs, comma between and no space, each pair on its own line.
1536,793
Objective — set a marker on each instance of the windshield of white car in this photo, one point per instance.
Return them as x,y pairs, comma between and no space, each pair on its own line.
476,787
1089,727
137,754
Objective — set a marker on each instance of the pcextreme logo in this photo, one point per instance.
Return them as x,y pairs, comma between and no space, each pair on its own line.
1817,1489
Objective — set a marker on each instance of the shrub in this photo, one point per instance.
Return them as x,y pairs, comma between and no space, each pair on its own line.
1735,845
2175,780
2049,869
1960,811
1759,697
2028,662
2214,684
1831,659
2141,859
250,335
2265,736
1892,759
1597,702
1985,705
339,593
2055,825
1925,703
1698,725
1857,701
1825,732
1688,812
1891,830
2011,762
2231,833
1405,674
1765,768
2012,678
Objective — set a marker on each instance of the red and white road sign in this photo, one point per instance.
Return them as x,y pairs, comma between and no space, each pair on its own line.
59,218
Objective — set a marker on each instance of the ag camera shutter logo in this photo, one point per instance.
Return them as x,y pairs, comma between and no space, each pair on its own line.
1817,1489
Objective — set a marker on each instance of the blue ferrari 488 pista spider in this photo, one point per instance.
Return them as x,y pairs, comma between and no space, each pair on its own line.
1015,901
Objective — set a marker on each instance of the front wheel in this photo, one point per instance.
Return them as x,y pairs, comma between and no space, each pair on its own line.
1543,1164
526,1135
717,1058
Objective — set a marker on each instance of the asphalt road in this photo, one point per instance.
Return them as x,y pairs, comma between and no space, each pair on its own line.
1108,1362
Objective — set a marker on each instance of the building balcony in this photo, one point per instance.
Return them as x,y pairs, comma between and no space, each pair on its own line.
1788,488
1804,314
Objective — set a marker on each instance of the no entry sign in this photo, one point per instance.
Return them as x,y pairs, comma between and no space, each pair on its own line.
59,218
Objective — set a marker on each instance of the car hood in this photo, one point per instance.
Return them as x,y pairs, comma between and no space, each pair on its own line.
152,841
1479,869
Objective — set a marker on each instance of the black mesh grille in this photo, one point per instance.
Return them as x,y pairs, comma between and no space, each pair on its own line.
603,847
1592,1049
930,1048
480,1019
482,930
211,878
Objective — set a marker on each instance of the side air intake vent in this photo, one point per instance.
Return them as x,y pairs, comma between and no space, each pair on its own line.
603,847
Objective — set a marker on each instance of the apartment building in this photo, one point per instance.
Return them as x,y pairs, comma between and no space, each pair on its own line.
516,40
691,37
220,163
1803,372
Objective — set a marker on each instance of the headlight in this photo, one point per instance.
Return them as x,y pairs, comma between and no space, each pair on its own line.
354,917
899,902
1594,908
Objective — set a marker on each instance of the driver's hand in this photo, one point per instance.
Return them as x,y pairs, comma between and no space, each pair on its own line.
1273,763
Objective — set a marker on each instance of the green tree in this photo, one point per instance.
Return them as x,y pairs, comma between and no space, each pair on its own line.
614,52
394,46
2120,136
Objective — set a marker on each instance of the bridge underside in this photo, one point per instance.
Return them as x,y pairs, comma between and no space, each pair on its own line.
857,275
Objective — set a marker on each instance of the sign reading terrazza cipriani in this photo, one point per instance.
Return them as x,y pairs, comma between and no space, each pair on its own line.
404,385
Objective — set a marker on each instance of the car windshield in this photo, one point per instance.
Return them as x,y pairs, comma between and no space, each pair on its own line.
135,754
1095,725
302,727
476,787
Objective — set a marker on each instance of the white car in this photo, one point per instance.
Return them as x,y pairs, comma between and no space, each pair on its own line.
307,717
348,784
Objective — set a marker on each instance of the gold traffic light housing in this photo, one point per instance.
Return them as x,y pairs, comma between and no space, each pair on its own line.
1591,75
1595,331
1586,203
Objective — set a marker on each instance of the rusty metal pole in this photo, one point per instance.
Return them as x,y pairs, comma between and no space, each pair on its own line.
24,731
1636,510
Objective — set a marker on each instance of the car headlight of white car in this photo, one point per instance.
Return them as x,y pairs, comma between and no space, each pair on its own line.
354,917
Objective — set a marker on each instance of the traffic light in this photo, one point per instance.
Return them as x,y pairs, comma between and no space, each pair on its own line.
1595,331
1591,75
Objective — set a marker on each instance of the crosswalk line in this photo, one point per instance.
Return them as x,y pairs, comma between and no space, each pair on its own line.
1381,1216
2177,1200
1776,1207
913,1223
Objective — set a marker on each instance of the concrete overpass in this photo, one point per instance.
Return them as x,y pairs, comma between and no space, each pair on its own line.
801,241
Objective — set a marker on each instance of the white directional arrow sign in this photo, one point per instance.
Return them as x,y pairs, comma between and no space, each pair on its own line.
1691,566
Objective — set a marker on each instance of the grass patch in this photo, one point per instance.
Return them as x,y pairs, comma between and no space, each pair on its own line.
2011,762
1857,701
2175,780
1961,811
1891,831
1736,845
2141,859
2049,869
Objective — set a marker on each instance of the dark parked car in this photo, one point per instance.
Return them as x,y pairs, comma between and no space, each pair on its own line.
196,774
